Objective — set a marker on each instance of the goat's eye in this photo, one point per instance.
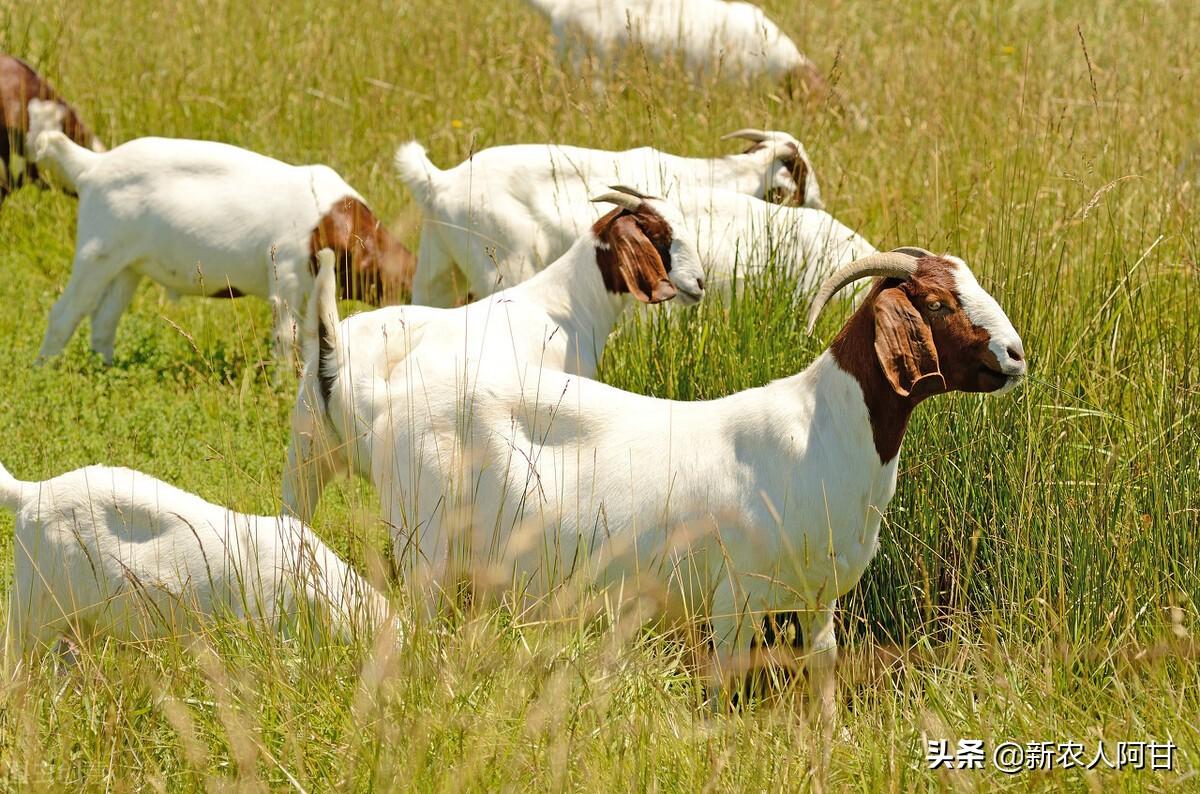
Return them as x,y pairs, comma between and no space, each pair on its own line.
934,305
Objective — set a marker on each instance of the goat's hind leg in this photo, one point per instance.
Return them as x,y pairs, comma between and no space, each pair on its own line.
108,313
29,629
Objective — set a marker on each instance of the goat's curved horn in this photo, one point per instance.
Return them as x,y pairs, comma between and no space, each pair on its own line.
748,134
623,197
631,191
912,250
900,263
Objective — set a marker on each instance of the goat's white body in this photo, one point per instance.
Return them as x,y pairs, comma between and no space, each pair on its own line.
768,499
116,552
197,217
734,39
738,234
560,319
502,215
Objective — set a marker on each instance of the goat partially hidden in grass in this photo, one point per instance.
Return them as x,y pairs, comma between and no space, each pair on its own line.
110,551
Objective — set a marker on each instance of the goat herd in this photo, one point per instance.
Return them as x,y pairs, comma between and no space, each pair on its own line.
499,462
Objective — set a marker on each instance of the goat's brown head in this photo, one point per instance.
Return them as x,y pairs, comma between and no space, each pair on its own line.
640,249
790,179
21,89
925,327
372,266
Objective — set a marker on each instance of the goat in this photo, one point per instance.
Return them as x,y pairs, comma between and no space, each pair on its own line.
111,551
206,218
559,319
500,216
29,105
734,40
765,501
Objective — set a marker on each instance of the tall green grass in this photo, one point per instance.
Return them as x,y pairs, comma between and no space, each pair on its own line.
1038,576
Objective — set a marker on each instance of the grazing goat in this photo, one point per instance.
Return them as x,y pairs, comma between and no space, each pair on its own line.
30,105
733,40
559,319
765,501
110,551
205,218
500,216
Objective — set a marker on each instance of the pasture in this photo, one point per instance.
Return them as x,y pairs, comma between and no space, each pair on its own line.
1039,576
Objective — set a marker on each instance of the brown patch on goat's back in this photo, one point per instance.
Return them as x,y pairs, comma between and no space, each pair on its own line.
371,265
633,253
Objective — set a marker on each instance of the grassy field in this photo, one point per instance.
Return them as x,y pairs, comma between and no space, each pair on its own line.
1039,576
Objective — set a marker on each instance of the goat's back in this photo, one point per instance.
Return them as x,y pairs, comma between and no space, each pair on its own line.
123,553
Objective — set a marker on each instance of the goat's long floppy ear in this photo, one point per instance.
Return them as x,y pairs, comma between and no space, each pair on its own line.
628,261
322,347
904,346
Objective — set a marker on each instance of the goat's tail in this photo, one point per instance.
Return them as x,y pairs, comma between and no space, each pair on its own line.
10,489
416,171
322,344
67,159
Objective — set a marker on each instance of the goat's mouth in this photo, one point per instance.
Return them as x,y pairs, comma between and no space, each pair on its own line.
993,379
687,297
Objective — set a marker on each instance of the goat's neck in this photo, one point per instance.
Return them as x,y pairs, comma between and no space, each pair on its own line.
854,352
573,294
740,172
848,384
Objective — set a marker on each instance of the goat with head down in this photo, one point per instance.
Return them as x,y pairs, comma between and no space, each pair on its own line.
735,41
723,512
109,551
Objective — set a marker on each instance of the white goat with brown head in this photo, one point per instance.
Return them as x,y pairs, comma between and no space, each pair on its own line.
641,252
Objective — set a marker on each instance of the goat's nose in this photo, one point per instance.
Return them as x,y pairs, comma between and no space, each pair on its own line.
700,284
1016,352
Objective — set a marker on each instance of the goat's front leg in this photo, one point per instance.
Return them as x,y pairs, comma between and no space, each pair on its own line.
107,315
732,624
91,275
820,655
